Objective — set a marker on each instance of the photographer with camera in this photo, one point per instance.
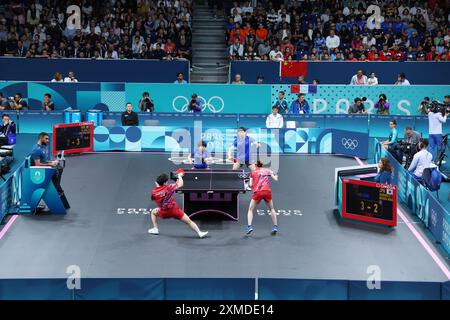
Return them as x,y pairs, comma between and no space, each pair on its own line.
7,128
436,117
358,106
18,103
4,103
195,105
146,104
382,105
424,106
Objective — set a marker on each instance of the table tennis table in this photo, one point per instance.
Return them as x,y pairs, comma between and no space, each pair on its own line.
213,191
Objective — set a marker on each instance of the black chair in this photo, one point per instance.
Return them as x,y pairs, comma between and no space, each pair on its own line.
426,176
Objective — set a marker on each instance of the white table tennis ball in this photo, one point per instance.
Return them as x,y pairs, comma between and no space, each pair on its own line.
196,178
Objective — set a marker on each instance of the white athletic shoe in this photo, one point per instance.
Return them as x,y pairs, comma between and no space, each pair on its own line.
153,231
202,234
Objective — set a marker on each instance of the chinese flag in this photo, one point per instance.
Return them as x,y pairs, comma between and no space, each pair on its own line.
292,69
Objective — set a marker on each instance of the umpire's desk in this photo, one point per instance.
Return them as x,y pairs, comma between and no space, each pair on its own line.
212,191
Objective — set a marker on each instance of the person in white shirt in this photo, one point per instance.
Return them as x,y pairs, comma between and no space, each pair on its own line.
369,41
274,120
435,121
70,77
275,54
373,80
401,80
57,77
359,78
236,50
421,160
332,40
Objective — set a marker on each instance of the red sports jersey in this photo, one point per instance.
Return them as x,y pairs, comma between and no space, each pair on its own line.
260,179
163,196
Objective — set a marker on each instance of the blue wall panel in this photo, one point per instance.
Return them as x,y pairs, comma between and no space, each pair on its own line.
296,289
124,289
395,291
34,289
342,72
210,289
88,70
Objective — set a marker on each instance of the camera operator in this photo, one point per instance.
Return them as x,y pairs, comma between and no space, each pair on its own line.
7,128
421,160
195,105
18,103
408,146
447,102
382,105
146,104
424,106
358,106
4,103
436,117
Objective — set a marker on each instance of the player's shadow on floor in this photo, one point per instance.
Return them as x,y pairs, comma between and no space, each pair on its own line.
360,225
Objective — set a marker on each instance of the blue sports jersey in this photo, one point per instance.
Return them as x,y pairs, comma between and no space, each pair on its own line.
243,148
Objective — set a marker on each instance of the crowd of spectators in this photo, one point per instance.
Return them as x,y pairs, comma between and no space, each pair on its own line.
111,29
339,31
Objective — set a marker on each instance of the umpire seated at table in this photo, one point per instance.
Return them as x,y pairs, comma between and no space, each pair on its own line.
129,117
411,139
7,129
421,160
40,157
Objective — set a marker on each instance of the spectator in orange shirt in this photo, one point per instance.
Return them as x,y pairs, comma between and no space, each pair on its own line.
261,33
237,35
169,46
247,29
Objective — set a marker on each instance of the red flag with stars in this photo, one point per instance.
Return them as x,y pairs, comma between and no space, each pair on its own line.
293,69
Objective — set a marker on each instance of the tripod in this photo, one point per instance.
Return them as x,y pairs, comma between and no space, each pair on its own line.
441,152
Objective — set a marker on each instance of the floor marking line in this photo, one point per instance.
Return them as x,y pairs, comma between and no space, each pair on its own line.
7,226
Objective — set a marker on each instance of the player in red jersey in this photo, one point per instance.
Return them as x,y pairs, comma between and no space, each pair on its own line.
163,195
259,181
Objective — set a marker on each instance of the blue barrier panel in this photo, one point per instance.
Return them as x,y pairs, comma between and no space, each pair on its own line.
350,143
391,290
379,125
217,98
445,295
93,70
355,122
307,120
34,289
210,289
252,120
342,72
123,289
301,289
306,140
38,121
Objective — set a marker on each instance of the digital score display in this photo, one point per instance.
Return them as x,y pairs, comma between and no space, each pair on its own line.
73,137
369,201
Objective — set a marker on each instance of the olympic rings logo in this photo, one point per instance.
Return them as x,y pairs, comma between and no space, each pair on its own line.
215,104
351,144
243,175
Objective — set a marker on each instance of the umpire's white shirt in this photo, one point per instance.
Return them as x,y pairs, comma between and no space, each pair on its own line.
274,122
421,161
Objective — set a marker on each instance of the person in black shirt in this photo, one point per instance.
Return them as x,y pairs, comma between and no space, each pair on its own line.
358,107
146,104
129,117
19,103
7,127
47,104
